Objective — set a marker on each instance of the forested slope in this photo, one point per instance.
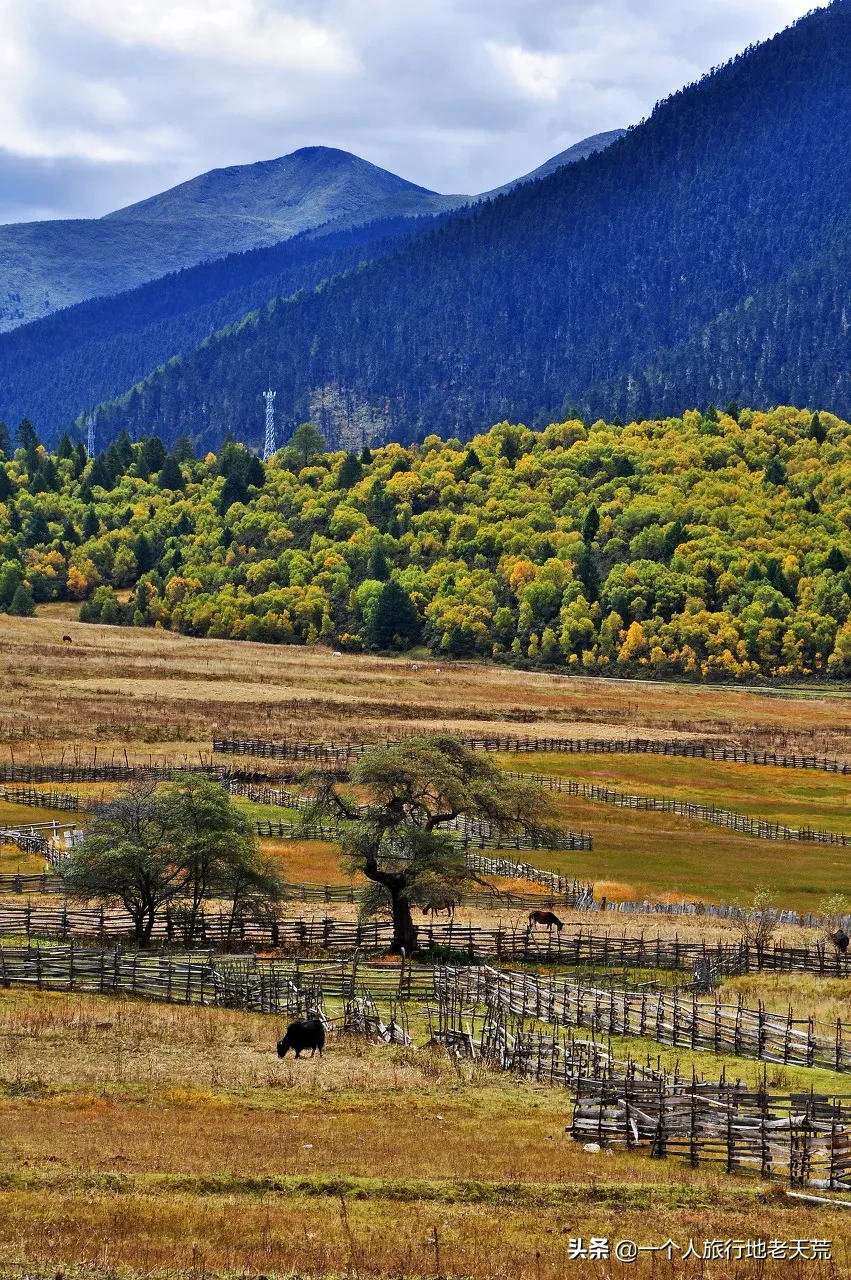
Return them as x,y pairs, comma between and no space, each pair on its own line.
564,292
713,546
53,369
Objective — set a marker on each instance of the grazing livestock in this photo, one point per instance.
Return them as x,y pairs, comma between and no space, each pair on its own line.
438,905
66,639
545,918
840,940
306,1033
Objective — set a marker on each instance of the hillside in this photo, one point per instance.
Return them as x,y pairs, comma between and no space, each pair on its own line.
560,294
53,369
712,546
54,264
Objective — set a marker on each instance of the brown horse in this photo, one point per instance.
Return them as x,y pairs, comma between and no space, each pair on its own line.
545,918
437,906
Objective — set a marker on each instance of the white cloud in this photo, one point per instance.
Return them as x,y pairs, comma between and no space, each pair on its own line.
538,75
125,97
245,31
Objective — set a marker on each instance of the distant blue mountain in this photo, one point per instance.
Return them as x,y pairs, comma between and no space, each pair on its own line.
54,368
48,265
703,257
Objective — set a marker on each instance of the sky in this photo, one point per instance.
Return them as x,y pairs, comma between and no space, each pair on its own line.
104,102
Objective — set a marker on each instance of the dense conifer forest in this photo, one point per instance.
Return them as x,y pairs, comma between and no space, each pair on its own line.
52,369
717,545
703,256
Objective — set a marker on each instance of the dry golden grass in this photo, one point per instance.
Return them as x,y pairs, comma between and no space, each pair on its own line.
149,689
141,1139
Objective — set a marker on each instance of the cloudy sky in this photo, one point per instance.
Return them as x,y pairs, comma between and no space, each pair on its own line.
103,102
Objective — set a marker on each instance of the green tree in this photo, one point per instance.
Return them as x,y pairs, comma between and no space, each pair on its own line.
590,525
215,843
128,859
308,440
171,477
26,435
397,837
5,440
350,471
23,604
377,567
6,486
395,619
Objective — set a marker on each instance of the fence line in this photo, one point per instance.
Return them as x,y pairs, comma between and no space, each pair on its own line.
330,751
472,831
805,1138
741,822
671,1017
217,927
40,799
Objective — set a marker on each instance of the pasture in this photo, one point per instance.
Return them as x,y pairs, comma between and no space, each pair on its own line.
144,1140
148,1140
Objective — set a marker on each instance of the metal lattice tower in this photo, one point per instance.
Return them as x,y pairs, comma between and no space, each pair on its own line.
90,438
269,446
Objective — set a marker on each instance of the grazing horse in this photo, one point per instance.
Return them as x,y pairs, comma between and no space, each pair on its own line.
66,639
840,940
437,905
545,918
306,1033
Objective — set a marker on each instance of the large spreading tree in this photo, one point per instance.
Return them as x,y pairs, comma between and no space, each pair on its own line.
397,835
150,847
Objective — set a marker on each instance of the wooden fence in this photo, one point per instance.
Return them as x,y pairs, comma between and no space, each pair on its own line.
465,835
672,1017
40,799
802,1138
347,751
741,822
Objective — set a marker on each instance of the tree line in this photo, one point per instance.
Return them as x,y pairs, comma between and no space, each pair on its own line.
716,545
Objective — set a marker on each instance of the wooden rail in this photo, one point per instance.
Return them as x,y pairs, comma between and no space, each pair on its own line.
347,751
740,822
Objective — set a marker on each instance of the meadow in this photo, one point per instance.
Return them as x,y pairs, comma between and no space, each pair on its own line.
140,1140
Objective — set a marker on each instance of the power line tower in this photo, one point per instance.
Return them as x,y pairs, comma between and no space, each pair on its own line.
90,438
269,446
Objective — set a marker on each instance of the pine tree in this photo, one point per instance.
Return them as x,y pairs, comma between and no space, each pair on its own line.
171,477
395,618
590,525
377,567
6,486
65,449
23,604
26,435
5,440
91,524
350,471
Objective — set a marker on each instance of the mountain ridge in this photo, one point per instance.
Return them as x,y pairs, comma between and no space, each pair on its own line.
531,303
53,264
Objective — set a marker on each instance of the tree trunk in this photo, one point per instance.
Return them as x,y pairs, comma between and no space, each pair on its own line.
404,929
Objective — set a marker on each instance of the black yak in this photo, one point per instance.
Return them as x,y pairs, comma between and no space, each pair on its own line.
840,940
547,918
306,1033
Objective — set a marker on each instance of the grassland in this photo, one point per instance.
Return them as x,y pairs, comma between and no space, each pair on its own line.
154,1139
139,1140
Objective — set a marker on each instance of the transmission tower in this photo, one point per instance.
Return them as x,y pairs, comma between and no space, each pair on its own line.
90,438
269,446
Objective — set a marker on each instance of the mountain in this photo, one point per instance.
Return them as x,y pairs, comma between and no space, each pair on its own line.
579,151
53,264
572,290
53,369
